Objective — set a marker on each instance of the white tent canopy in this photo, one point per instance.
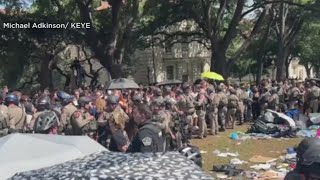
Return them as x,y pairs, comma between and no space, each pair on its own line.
24,152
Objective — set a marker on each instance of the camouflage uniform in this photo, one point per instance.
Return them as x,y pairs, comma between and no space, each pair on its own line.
240,107
264,100
83,123
274,100
16,118
212,112
66,114
186,104
200,103
313,98
222,108
233,103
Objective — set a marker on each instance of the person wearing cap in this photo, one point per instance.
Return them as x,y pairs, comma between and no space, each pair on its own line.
308,161
83,123
149,138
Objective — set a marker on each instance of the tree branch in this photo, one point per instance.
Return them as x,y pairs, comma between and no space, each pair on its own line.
231,32
254,31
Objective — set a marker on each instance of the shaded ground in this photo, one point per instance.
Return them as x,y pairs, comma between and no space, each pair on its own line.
246,149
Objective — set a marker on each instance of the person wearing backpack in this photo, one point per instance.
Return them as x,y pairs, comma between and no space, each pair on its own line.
44,121
233,103
222,108
212,111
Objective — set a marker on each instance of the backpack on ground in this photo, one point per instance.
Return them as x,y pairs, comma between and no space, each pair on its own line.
263,127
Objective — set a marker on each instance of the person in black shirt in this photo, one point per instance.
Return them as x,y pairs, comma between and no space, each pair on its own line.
149,137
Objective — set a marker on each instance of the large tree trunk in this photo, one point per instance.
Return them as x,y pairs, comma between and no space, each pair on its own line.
104,55
281,62
45,77
219,61
308,70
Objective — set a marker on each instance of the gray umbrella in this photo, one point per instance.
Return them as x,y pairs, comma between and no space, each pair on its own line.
169,82
113,165
122,83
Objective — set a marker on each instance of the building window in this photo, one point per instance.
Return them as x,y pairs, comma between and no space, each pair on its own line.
167,46
170,72
185,78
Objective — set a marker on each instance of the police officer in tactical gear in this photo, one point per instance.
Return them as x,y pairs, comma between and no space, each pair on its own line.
233,103
187,109
175,141
222,107
67,111
212,111
149,137
16,115
83,123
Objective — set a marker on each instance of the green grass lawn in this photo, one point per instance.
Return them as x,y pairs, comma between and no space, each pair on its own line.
271,148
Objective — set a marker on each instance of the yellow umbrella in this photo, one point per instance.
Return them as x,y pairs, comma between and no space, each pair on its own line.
212,75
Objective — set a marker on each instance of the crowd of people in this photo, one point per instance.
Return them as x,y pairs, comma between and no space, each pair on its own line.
152,118
113,117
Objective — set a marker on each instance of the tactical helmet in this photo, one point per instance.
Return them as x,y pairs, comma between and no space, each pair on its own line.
113,100
158,102
233,91
236,85
274,90
220,87
210,89
170,101
43,102
193,154
11,98
137,98
64,97
157,91
46,121
84,101
185,86
167,89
